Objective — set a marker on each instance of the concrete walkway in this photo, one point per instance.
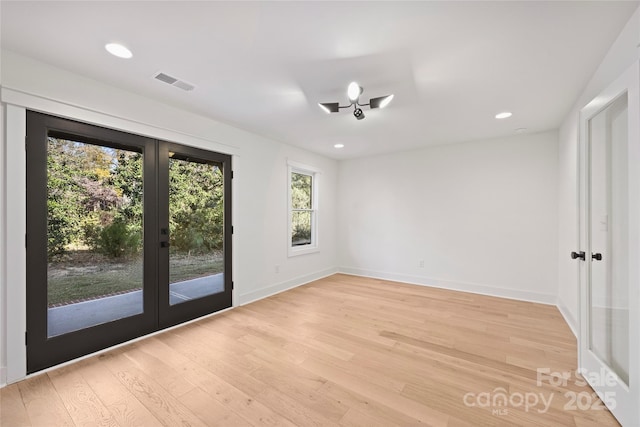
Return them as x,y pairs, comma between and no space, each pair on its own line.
74,317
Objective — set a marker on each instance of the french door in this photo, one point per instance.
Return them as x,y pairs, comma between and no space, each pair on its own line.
609,352
126,235
195,239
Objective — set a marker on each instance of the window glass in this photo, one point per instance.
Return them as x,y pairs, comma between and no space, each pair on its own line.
302,210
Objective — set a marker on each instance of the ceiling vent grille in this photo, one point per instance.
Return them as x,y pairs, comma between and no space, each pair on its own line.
173,81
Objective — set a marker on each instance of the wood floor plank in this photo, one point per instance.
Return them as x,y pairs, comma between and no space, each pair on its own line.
356,418
169,377
202,361
167,409
386,397
84,407
289,340
12,410
209,410
43,403
297,388
293,410
201,369
250,409
343,350
384,378
370,409
124,406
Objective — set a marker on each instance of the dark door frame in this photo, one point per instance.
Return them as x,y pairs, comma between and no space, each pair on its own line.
170,315
44,351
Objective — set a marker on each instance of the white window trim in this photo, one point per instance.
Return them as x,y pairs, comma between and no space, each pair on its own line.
315,173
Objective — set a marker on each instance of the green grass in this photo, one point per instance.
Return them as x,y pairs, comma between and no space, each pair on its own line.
82,275
184,268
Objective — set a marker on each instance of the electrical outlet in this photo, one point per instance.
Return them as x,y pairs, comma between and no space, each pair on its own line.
421,263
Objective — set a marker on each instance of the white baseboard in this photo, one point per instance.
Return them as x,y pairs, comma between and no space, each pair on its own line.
568,317
284,286
474,288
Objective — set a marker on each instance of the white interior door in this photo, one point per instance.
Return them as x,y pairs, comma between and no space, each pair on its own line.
610,240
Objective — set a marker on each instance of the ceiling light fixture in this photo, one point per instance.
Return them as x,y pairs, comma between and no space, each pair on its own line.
503,115
353,93
338,146
118,50
381,101
330,107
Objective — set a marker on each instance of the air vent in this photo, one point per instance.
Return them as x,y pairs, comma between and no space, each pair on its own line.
183,85
173,81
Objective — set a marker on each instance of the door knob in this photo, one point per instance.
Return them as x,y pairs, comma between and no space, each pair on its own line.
597,257
576,255
164,244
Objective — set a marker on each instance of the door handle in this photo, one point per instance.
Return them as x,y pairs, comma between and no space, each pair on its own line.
597,256
164,244
576,255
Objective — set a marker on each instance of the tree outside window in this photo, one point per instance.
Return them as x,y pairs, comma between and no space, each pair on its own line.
303,189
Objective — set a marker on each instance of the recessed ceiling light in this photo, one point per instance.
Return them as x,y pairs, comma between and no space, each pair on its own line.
118,50
503,115
339,146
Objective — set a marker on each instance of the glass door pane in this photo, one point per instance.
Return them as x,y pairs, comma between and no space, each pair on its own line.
94,234
126,235
609,207
91,239
196,228
195,232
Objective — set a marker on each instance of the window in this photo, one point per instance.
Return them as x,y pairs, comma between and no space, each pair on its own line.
303,209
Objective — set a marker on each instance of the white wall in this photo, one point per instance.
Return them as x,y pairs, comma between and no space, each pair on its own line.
259,187
481,215
622,54
3,290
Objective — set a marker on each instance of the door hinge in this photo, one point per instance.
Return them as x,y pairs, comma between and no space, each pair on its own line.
25,240
232,229
232,285
25,338
231,174
25,142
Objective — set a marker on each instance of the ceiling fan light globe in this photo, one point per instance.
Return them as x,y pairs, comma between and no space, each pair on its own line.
353,91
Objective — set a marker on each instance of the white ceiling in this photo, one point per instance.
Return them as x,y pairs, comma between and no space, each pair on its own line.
264,66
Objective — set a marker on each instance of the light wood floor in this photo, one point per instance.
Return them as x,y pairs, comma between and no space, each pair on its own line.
340,351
